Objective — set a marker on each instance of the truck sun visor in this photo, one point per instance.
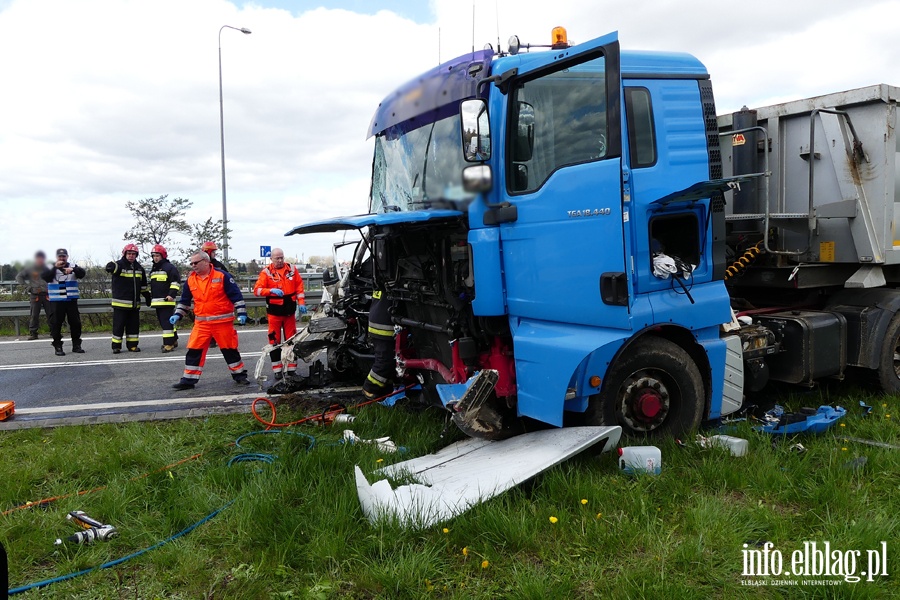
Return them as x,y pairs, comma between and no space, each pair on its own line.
433,95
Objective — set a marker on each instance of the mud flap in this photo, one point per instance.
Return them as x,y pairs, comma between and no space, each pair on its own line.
471,471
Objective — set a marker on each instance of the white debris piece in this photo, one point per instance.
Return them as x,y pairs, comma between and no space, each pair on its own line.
471,471
384,443
665,265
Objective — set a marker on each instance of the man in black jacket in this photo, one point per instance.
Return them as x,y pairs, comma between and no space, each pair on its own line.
165,283
129,283
62,288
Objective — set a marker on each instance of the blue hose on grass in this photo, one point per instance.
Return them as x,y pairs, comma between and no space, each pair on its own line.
245,457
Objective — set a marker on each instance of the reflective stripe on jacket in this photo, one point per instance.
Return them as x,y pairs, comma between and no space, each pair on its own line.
165,281
129,282
288,280
62,286
215,297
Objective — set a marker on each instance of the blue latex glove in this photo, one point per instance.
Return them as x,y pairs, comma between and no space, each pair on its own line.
174,319
242,319
276,292
303,309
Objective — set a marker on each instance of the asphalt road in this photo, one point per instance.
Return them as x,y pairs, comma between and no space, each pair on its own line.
98,386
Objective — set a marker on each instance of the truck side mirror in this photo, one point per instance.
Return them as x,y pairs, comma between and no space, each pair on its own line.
523,142
477,179
476,130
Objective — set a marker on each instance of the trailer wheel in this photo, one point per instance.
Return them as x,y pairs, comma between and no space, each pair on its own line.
653,389
889,369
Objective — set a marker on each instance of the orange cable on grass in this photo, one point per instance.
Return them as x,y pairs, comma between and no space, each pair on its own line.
325,416
331,412
52,499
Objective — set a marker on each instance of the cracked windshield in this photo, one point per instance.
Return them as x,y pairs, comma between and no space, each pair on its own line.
419,169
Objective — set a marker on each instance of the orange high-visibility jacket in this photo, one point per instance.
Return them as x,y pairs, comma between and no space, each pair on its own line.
288,280
215,297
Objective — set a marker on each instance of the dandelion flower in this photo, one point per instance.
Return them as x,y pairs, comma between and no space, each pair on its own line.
843,449
465,550
599,515
446,530
553,519
887,416
380,460
584,500
843,424
485,564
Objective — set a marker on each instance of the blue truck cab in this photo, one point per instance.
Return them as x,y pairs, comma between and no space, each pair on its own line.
556,219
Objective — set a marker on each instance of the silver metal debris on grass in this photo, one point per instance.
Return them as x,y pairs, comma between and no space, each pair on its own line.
471,471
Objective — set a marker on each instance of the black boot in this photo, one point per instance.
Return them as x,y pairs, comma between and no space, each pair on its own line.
240,378
76,348
183,385
59,351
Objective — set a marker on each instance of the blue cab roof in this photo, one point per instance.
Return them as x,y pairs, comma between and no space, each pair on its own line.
634,63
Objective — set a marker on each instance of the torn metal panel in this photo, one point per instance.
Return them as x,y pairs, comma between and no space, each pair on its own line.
471,471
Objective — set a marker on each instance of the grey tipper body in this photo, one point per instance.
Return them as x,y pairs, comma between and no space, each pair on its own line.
856,189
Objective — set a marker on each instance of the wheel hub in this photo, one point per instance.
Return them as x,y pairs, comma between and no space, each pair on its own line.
649,404
645,401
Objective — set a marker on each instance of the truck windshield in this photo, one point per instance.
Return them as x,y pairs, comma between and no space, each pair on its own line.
418,169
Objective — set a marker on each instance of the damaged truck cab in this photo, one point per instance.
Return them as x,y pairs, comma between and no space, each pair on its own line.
518,204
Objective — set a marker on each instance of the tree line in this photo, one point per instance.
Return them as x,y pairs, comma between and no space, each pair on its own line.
163,220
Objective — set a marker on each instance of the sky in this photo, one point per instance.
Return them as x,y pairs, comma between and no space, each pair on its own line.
106,101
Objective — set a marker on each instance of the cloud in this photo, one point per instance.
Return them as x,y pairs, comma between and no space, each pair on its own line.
110,100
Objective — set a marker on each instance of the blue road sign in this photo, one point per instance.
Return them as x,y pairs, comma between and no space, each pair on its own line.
265,251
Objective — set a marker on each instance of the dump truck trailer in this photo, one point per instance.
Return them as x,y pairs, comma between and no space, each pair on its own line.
572,236
813,242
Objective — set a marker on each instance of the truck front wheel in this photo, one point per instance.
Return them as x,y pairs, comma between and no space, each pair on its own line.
653,389
889,370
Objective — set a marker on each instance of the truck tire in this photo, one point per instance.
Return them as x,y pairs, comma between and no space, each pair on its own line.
653,389
888,373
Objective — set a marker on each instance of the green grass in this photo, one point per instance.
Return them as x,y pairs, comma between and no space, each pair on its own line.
295,529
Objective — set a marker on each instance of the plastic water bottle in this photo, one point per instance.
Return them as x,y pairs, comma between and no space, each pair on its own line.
737,446
640,459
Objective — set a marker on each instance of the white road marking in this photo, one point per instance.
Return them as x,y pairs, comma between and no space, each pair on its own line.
114,361
112,405
46,339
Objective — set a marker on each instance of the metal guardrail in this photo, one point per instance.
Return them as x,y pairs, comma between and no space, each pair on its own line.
87,306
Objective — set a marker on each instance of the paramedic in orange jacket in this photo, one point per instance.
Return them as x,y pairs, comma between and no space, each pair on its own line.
282,287
216,297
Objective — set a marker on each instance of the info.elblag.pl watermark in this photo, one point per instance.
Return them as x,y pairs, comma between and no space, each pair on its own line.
815,563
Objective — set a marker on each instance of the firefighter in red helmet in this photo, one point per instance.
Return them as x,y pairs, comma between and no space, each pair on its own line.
129,283
165,284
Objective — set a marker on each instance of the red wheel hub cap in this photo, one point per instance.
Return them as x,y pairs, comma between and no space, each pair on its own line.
649,404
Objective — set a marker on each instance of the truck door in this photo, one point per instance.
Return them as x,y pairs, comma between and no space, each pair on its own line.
666,152
563,255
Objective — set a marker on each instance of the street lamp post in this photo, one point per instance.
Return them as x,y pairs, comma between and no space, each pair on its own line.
243,30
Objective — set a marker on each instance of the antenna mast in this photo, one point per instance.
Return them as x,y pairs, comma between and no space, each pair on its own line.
473,26
497,20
